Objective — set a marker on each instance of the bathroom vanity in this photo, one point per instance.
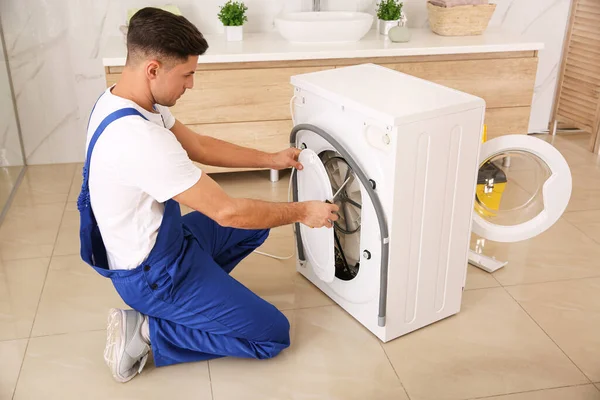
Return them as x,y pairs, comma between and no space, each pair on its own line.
242,89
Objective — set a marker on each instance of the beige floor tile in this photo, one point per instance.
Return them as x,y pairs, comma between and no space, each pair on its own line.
67,242
573,147
75,298
278,283
569,312
72,366
581,140
585,169
185,209
76,184
586,188
45,184
479,279
586,221
30,231
331,357
280,243
21,284
11,358
254,185
8,179
585,392
491,347
562,252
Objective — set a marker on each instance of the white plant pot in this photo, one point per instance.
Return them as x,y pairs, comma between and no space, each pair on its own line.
234,33
385,26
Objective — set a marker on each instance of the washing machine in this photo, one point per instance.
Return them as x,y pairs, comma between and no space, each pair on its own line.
403,159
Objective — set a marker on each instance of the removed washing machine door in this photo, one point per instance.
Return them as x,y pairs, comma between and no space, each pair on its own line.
313,184
523,187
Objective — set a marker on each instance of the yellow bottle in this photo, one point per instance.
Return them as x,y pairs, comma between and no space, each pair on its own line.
491,183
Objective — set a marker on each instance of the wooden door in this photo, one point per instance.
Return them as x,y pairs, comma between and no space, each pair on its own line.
578,95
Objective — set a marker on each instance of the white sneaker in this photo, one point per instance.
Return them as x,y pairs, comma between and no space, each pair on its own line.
126,351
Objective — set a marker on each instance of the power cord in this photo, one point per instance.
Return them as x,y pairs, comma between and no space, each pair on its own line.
294,253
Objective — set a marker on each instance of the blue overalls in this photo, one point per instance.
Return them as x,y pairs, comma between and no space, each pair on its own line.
196,310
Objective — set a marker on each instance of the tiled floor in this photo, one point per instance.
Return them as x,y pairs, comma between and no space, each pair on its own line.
8,180
531,331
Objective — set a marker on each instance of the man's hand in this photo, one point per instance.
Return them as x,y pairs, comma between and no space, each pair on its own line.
285,159
319,214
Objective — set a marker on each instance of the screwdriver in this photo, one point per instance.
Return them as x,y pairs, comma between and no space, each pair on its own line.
339,191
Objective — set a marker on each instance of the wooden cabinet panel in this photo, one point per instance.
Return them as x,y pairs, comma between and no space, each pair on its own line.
321,62
507,121
269,136
111,79
501,83
238,95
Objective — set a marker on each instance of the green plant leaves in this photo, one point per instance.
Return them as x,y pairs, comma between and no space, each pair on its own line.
389,10
233,13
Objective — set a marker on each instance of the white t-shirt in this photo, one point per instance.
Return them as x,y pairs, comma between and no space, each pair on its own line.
136,165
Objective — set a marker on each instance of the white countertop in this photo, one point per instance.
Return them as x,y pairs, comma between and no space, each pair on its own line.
270,46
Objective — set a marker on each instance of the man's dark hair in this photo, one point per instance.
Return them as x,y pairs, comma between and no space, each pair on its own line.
153,32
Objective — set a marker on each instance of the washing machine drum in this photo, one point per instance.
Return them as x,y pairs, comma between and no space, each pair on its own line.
333,253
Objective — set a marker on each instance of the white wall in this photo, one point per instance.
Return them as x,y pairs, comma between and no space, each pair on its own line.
545,21
54,52
10,146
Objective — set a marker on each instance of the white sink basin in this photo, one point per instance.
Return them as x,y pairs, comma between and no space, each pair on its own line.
324,27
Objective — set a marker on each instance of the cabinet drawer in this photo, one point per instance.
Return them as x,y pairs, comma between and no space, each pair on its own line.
501,83
239,95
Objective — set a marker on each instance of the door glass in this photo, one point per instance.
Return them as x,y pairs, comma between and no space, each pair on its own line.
510,187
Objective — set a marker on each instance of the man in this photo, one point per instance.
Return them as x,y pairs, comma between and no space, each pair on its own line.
173,271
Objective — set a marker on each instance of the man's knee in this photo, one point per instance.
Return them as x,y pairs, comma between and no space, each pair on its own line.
281,329
276,337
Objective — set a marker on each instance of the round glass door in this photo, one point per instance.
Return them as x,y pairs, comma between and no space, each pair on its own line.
523,187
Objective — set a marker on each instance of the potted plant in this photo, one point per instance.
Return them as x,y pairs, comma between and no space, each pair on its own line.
389,14
233,16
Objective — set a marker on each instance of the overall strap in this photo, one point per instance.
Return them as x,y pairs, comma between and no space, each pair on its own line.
123,112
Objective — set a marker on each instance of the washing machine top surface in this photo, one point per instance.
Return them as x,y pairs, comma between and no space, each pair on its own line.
313,184
386,95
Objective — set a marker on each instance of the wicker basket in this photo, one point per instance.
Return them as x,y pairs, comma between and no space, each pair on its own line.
460,20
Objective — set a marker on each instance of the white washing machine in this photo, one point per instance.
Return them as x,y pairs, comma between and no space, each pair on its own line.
404,157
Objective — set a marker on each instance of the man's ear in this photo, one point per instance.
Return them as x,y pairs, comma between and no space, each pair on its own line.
152,68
